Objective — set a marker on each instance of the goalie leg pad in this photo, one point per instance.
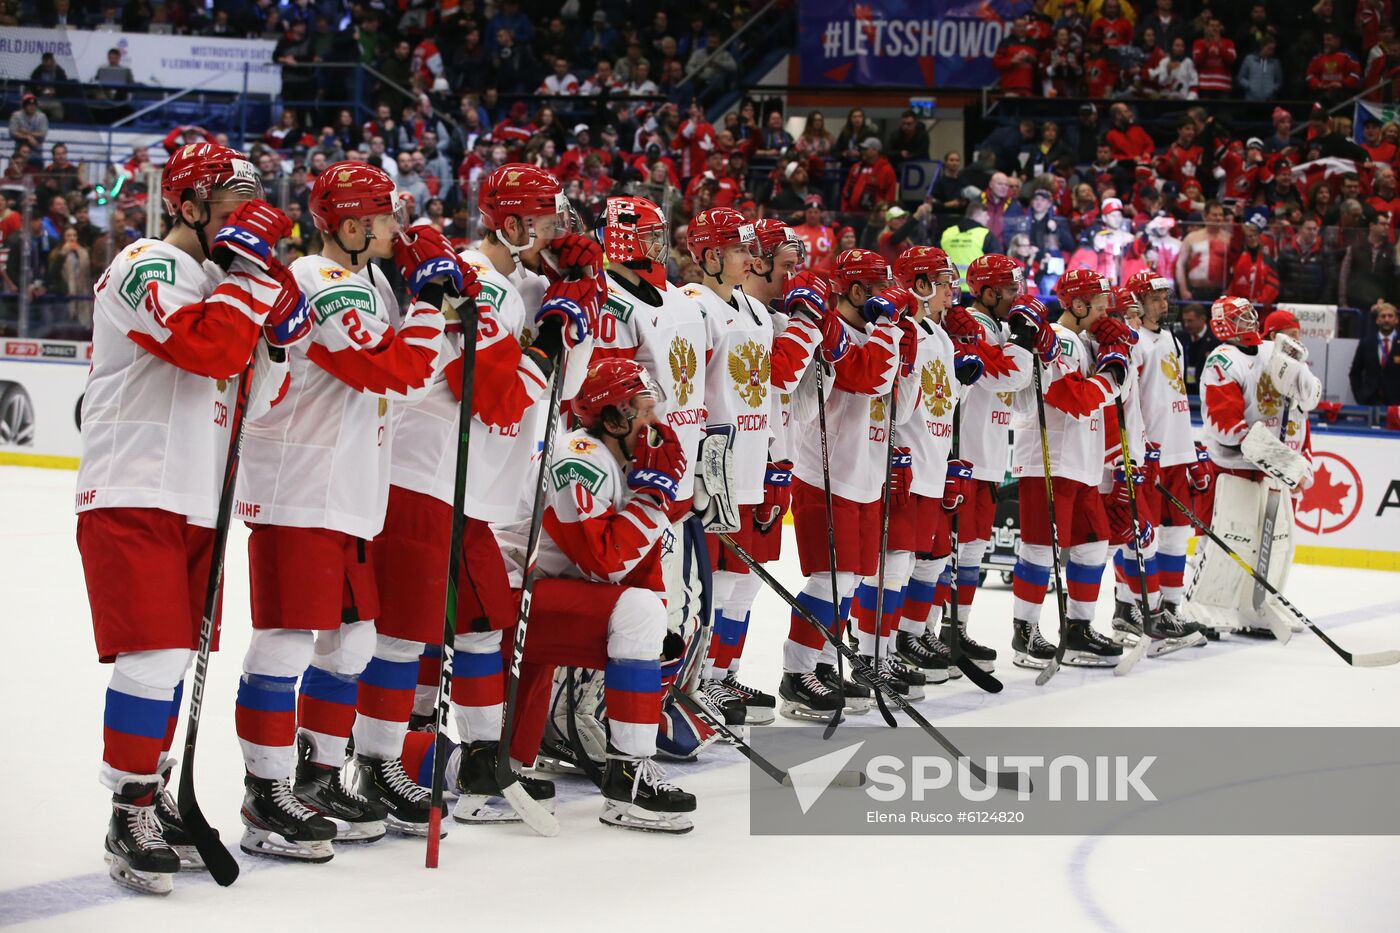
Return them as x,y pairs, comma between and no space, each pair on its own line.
714,481
1219,588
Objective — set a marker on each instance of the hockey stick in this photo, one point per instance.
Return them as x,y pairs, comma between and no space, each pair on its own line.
1134,654
1266,538
531,812
885,541
443,704
223,867
1373,659
1006,780
842,779
830,548
1053,667
981,678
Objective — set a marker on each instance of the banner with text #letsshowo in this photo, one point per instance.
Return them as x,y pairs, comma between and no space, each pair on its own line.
161,61
918,43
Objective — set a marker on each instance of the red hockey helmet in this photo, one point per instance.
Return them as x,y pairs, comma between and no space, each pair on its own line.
718,228
521,190
992,271
927,261
634,231
199,168
1145,282
611,383
861,266
350,189
774,234
1123,302
1235,320
1080,283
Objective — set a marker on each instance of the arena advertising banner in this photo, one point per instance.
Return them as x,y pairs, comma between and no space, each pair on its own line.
923,43
1350,515
162,61
41,388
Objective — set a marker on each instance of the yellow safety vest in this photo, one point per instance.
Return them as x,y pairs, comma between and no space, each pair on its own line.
963,246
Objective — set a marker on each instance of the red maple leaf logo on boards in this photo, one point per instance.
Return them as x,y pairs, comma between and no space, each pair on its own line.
1324,495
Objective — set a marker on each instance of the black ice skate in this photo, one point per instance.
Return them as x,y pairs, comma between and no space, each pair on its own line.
636,795
280,826
479,794
725,704
1127,622
172,828
1029,648
882,678
760,708
807,698
319,788
914,651
930,641
422,722
859,698
981,655
1168,635
1084,647
384,780
1174,611
138,857
556,757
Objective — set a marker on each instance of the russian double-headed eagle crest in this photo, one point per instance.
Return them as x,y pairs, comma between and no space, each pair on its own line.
938,392
1171,368
877,410
1267,397
684,365
749,368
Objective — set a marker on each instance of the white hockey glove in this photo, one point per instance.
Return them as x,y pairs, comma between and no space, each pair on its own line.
1288,368
1262,448
714,481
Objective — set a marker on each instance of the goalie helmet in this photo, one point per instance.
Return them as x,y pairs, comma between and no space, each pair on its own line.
611,384
928,261
861,266
347,190
1234,320
634,235
992,271
1083,284
719,228
200,168
1145,282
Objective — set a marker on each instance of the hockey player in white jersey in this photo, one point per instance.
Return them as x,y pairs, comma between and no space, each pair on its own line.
1077,384
172,332
1256,396
315,484
995,283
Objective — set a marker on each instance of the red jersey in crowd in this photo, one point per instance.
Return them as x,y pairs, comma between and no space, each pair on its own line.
1100,74
1334,71
1112,32
1017,77
867,185
1215,63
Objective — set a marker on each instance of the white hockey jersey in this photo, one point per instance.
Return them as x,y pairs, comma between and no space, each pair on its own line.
320,458
1165,410
857,417
1074,421
985,426
1237,391
927,397
171,334
671,341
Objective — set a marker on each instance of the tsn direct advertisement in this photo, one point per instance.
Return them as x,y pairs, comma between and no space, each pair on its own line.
41,391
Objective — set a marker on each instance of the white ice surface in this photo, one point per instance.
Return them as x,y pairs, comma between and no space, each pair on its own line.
52,876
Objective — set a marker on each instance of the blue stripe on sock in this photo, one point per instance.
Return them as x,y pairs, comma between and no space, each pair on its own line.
1171,563
634,676
865,596
432,651
920,591
136,715
1080,573
1033,574
330,688
1150,565
727,630
846,608
821,608
267,694
177,700
477,664
969,575
391,675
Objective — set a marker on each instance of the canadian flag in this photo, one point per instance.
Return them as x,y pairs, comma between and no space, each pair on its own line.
1310,173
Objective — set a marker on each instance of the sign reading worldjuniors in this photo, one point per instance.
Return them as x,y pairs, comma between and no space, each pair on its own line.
909,43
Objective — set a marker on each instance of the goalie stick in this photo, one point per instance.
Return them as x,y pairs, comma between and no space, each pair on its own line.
1373,659
1005,780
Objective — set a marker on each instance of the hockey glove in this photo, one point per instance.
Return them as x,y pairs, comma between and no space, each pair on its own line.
885,306
834,340
1112,362
251,232
1108,330
289,320
958,484
1120,525
908,345
961,325
807,293
901,474
1032,333
777,495
1200,473
968,367
658,463
575,321
423,255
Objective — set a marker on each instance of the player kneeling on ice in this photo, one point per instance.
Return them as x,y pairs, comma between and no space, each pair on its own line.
314,488
1069,437
597,605
1256,397
174,324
